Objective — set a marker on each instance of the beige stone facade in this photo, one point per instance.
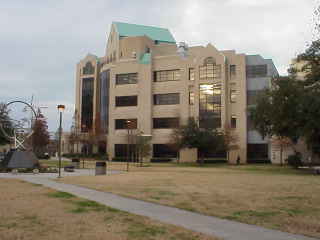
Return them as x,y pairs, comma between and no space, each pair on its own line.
207,84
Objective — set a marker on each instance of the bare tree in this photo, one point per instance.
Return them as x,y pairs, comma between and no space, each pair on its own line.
143,146
283,143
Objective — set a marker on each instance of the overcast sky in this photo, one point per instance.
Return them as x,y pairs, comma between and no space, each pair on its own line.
41,41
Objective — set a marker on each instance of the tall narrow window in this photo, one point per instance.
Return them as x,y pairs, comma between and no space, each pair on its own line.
233,70
191,74
87,104
210,106
210,71
114,55
104,100
88,69
191,98
233,121
233,96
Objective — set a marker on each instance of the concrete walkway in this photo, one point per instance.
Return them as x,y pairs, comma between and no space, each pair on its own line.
225,229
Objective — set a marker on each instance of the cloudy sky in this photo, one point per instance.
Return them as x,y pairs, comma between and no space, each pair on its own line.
41,41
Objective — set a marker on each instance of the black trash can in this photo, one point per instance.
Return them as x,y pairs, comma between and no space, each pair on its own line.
101,168
75,163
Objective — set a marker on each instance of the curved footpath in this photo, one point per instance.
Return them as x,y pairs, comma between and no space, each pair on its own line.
225,229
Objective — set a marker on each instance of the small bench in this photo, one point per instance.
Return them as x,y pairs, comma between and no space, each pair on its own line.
69,168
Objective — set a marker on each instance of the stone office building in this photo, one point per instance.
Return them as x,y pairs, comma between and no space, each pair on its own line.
143,78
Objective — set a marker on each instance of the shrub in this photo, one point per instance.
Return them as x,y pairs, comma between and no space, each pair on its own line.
295,160
161,160
212,161
119,159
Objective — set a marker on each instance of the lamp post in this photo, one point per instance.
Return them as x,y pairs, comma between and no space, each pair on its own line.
128,128
60,109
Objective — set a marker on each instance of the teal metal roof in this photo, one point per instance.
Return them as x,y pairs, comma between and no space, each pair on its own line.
133,30
145,58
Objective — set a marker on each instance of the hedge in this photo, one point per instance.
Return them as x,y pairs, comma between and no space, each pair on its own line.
212,161
97,156
161,160
259,161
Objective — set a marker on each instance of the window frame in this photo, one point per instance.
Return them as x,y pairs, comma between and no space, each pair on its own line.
124,126
233,70
233,121
233,95
164,75
160,123
134,102
130,77
192,74
156,102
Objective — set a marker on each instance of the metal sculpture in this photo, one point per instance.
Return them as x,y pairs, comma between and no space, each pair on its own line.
19,156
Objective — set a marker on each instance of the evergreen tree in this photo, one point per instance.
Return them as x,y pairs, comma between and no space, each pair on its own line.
6,124
192,136
40,136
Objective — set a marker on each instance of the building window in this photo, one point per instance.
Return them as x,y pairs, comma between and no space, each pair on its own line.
191,98
164,151
233,121
250,124
126,123
121,151
104,100
233,70
166,99
126,78
126,101
210,106
233,96
191,74
257,151
210,71
165,123
254,71
167,75
252,96
88,69
87,104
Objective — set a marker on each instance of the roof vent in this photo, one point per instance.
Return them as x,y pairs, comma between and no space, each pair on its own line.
182,49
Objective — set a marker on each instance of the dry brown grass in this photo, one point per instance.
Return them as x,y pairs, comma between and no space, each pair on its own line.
30,211
269,196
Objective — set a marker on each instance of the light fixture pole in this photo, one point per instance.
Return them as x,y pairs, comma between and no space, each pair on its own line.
60,109
128,128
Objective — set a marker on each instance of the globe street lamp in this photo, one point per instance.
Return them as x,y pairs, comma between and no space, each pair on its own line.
60,109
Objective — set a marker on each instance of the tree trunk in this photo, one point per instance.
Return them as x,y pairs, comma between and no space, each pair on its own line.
281,150
228,157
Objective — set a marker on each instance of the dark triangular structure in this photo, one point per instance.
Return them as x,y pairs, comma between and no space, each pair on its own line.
20,159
